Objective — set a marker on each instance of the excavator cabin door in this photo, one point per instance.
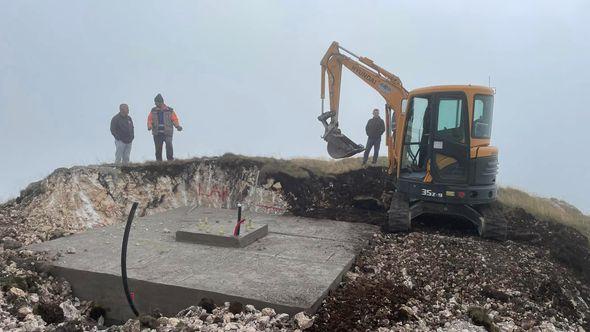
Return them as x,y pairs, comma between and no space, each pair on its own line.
449,139
436,138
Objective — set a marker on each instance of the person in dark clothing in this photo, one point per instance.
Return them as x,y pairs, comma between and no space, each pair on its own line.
161,121
122,130
375,128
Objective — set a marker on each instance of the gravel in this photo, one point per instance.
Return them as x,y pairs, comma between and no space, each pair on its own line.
426,281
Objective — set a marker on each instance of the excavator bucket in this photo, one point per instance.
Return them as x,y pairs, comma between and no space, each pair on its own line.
340,146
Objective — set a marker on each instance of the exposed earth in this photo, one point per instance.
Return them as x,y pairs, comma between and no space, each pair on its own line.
439,277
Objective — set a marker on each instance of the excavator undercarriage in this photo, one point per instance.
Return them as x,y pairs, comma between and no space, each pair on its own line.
487,218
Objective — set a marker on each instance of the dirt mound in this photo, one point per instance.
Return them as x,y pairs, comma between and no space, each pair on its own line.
359,195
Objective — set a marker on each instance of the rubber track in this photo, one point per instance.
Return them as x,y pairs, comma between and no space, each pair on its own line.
495,225
398,215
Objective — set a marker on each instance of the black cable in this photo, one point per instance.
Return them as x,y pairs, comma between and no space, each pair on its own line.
239,224
124,258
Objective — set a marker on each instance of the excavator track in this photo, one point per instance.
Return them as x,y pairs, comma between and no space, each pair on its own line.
398,216
494,225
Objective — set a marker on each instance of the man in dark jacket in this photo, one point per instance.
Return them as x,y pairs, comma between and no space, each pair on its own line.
161,121
122,130
374,128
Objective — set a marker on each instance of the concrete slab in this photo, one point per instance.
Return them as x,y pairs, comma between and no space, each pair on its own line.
291,269
220,233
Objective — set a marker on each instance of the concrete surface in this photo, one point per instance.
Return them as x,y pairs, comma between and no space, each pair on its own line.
291,269
219,233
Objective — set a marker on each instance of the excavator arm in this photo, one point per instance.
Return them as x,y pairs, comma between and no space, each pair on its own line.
385,83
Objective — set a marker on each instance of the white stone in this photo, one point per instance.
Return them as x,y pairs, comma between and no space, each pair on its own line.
231,327
409,311
351,276
34,297
303,321
31,325
173,321
24,311
228,317
268,312
70,312
17,292
446,313
283,318
29,317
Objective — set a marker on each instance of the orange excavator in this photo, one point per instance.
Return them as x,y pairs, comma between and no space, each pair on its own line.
438,143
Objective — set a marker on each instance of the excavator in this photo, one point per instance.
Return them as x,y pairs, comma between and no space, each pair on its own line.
438,144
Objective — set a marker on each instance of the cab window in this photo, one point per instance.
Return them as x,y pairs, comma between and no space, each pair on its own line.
482,116
417,132
450,120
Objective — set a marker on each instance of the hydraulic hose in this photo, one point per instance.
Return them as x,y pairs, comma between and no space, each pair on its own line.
124,258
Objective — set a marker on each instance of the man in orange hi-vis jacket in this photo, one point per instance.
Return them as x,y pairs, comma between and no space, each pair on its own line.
161,121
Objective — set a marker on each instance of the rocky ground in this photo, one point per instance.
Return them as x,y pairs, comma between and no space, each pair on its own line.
433,280
439,277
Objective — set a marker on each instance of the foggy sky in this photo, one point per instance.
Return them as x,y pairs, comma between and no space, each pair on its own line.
244,77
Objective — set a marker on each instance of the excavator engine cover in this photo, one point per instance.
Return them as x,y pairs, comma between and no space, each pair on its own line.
340,146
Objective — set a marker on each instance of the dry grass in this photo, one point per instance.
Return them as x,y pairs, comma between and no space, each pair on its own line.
297,167
328,166
546,208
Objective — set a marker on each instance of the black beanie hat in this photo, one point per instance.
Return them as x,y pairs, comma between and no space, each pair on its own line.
159,99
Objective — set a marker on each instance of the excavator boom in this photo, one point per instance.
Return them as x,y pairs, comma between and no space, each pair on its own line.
384,82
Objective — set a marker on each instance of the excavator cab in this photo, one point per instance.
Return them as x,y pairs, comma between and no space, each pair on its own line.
447,139
447,164
438,141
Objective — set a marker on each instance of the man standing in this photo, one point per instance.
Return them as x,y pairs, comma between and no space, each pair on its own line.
161,121
375,128
122,130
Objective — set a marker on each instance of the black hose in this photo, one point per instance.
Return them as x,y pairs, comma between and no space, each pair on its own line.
239,218
124,258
